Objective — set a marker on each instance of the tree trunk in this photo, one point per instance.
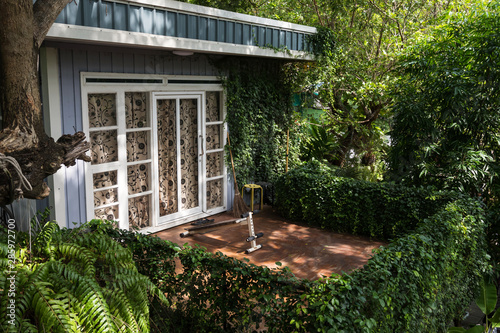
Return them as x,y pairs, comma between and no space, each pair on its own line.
24,26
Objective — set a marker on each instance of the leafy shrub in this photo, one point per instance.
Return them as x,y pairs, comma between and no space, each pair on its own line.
72,281
313,194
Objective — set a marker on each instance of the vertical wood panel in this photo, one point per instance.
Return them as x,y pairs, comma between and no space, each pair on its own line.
288,39
212,30
158,64
276,41
128,62
202,28
117,62
159,22
149,64
90,13
269,37
247,34
192,30
168,64
221,31
147,20
93,62
229,32
106,15
105,62
134,18
120,16
139,63
238,33
170,24
181,27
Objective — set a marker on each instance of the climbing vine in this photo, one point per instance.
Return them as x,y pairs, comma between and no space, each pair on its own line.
259,114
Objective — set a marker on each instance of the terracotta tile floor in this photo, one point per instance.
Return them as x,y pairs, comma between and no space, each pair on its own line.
309,252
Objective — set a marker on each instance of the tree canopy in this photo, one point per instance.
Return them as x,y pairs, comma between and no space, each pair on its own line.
447,105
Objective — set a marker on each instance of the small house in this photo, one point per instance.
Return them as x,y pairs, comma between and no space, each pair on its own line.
138,78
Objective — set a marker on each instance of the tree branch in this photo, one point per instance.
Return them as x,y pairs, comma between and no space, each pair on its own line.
45,13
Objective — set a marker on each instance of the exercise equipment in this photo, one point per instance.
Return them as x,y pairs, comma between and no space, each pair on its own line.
252,188
207,225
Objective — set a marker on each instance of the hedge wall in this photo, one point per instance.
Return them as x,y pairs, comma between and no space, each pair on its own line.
421,281
314,195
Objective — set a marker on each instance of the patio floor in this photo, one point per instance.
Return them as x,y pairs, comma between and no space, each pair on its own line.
309,252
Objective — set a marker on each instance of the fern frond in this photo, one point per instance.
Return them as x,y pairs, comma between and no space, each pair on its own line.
44,238
94,309
122,310
81,255
52,309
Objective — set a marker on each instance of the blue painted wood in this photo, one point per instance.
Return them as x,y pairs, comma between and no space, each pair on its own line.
247,35
134,18
139,63
229,32
170,24
276,41
117,62
128,63
212,30
181,30
159,22
106,15
90,13
269,37
288,39
238,33
192,27
106,62
120,16
294,40
109,14
221,31
147,20
202,28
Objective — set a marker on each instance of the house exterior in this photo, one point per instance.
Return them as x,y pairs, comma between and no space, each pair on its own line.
137,77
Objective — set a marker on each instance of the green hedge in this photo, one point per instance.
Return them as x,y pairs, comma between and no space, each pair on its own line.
314,195
420,282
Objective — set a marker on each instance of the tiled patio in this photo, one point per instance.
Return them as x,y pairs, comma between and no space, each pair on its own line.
309,252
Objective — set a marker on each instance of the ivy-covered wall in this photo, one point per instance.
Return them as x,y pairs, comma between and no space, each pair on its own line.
259,113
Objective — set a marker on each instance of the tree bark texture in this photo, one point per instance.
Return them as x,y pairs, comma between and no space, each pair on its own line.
24,26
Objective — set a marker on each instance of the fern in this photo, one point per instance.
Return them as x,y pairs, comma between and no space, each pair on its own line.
80,282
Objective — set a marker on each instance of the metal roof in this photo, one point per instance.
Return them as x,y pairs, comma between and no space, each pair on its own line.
172,25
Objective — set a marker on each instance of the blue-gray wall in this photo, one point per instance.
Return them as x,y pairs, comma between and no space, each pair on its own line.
76,59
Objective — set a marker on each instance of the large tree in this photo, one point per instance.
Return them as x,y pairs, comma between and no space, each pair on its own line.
24,27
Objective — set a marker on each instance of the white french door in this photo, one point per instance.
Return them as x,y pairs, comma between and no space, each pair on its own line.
180,151
157,158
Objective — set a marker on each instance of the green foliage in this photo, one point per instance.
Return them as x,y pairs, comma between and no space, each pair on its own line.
313,193
486,302
419,282
259,113
322,43
77,281
445,130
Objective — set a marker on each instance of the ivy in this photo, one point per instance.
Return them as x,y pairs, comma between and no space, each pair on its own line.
259,115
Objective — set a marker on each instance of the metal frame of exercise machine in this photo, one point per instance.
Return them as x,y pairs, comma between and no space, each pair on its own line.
207,225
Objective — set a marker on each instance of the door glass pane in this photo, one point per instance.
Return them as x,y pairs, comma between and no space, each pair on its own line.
138,178
105,197
104,179
213,109
189,153
137,146
102,110
214,164
214,194
139,211
214,137
103,146
108,213
167,156
136,110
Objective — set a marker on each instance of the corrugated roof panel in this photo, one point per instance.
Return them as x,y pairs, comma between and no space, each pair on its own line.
178,19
